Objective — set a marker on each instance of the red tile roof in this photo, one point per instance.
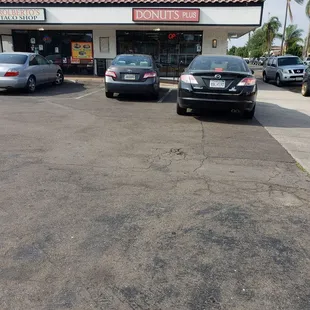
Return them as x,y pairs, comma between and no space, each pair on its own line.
130,1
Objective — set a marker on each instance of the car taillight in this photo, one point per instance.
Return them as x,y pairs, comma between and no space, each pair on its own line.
112,74
189,79
149,75
12,73
248,81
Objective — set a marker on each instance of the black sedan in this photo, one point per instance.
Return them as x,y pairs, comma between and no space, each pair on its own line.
132,74
222,83
305,88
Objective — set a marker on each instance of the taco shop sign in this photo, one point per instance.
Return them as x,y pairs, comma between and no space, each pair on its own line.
22,15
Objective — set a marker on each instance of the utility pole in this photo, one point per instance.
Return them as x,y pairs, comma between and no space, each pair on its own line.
285,23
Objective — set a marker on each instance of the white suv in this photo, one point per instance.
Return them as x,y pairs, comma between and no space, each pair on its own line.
284,69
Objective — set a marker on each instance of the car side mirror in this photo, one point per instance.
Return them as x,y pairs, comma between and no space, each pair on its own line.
50,62
252,71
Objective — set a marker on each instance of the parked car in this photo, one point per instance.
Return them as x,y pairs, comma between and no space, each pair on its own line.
284,69
27,70
135,74
222,83
305,88
307,61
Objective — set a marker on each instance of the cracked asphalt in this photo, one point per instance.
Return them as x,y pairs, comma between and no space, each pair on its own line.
121,204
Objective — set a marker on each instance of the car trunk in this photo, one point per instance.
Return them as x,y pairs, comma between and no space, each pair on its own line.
5,67
130,74
218,82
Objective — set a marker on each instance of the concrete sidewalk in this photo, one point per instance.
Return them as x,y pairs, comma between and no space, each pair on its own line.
100,79
286,116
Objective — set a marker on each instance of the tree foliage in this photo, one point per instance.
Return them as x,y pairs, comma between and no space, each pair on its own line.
232,51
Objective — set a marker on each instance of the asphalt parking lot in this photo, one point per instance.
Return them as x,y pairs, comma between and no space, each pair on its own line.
121,204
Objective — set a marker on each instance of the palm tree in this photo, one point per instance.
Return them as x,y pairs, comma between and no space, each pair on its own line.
288,12
271,29
293,36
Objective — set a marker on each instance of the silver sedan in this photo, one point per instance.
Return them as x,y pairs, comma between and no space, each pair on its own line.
27,70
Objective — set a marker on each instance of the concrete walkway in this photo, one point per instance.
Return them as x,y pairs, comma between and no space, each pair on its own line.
286,116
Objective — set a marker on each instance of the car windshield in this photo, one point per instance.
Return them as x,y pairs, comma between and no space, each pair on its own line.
288,61
132,61
219,64
15,59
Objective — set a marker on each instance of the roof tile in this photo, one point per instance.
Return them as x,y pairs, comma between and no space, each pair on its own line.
128,1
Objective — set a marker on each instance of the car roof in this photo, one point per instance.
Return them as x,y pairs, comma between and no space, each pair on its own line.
18,53
144,55
220,56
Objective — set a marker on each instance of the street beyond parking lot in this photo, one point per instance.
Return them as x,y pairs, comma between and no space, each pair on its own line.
121,204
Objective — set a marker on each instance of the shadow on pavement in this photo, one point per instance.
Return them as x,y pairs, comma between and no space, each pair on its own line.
271,115
140,97
48,90
293,87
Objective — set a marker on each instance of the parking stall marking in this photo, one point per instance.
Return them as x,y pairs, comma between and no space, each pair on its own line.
161,100
88,94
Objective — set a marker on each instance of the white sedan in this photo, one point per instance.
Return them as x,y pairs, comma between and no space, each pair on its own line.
27,70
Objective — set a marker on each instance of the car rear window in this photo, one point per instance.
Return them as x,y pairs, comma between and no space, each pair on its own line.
219,64
15,59
132,61
289,61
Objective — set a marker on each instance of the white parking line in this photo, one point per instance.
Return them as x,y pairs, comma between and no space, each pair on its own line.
161,100
88,94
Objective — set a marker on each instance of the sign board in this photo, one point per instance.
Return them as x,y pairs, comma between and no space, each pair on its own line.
165,15
82,50
22,15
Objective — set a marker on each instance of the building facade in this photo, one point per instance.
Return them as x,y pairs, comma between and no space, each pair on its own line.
83,36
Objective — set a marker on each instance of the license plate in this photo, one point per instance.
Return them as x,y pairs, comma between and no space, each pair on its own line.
217,84
299,79
129,77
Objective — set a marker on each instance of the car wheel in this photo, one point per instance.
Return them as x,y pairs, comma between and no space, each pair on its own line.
278,81
109,94
59,78
181,111
305,89
265,79
249,114
31,84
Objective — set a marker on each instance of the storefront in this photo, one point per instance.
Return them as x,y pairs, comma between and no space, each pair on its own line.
84,38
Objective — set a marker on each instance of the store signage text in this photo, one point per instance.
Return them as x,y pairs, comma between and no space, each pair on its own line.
165,15
22,15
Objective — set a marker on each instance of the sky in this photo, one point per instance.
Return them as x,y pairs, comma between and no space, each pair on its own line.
277,8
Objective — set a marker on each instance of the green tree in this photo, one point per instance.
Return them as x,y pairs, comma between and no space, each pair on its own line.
295,49
293,36
256,43
242,52
271,29
232,51
288,11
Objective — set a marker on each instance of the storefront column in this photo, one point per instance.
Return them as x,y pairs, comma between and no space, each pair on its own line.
221,38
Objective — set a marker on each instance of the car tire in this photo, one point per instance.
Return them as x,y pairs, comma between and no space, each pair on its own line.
249,114
109,94
59,78
278,81
305,89
181,111
265,78
31,85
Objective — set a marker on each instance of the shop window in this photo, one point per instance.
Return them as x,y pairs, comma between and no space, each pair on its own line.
56,46
172,50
